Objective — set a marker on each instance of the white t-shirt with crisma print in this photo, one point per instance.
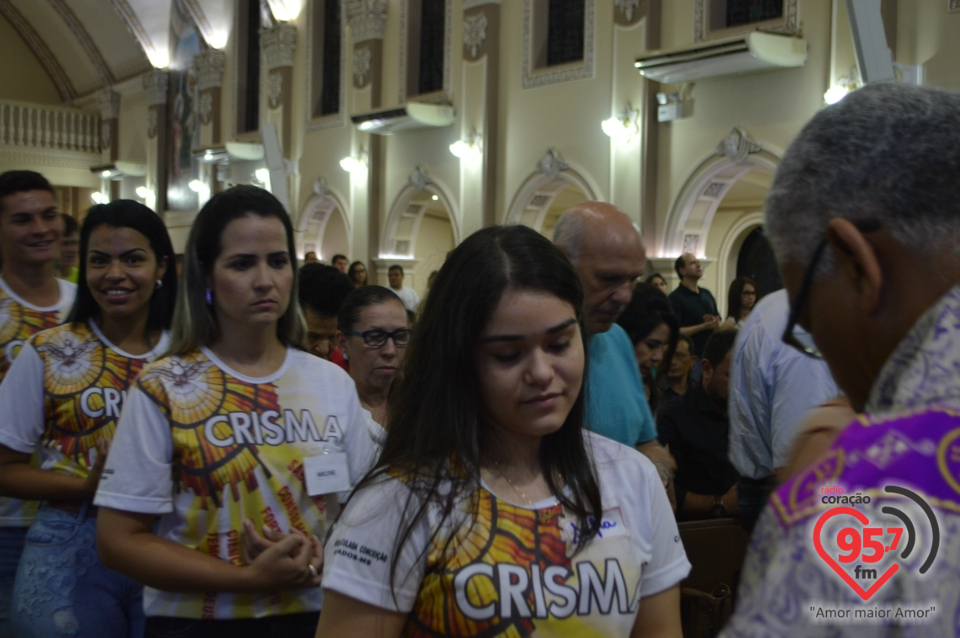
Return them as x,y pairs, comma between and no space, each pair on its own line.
206,448
512,567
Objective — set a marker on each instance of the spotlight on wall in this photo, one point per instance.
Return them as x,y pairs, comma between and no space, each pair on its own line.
143,192
354,163
469,148
99,198
196,185
623,126
670,107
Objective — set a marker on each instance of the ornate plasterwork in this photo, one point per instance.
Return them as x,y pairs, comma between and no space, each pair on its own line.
155,85
153,118
83,37
367,19
737,145
135,27
274,88
209,66
551,164
474,32
105,135
320,188
628,7
361,64
790,21
109,103
278,44
206,107
419,179
535,78
444,96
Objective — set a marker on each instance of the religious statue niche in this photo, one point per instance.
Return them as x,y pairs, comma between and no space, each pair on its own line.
183,110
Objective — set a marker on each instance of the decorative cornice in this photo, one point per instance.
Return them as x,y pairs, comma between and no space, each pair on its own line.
474,32
367,19
80,33
551,164
419,179
321,189
274,88
737,145
628,7
362,57
40,50
155,85
134,26
109,103
473,4
209,66
278,44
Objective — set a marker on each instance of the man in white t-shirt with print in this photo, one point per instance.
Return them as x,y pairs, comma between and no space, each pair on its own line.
31,299
407,295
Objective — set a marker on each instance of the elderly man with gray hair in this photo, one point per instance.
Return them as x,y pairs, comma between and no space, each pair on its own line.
864,216
605,249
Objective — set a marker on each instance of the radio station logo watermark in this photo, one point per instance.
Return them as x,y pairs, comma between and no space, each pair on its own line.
866,552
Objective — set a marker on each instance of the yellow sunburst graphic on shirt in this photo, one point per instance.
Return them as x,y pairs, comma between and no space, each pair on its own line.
18,323
84,382
196,390
501,533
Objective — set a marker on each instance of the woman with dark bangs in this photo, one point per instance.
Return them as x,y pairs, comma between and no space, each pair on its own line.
491,510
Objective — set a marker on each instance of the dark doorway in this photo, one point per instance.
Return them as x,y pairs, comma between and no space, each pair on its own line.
757,262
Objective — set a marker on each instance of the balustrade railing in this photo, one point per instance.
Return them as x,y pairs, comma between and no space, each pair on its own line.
49,127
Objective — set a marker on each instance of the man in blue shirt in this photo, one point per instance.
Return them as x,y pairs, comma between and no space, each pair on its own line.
604,247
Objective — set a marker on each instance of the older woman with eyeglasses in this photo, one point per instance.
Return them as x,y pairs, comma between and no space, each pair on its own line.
372,333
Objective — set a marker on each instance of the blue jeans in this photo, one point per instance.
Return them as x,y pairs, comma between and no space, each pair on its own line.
62,588
11,546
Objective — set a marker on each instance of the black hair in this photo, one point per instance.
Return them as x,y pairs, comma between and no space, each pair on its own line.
360,298
679,265
310,252
126,213
686,339
70,225
718,345
352,269
323,289
437,411
20,182
648,309
395,267
735,296
336,257
656,275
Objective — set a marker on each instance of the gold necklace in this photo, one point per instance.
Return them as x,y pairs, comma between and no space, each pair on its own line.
512,484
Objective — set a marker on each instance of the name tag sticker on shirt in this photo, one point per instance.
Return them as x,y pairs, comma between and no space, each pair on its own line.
326,473
611,526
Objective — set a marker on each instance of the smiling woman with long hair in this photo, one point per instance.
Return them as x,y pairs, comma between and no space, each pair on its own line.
491,509
219,438
63,396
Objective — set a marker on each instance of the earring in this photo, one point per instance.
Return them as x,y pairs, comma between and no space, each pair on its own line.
209,297
159,285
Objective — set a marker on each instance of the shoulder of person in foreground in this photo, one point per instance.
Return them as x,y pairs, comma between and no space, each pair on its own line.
817,431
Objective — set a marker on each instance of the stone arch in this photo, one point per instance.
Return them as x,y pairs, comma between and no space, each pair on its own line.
693,209
323,207
403,223
536,195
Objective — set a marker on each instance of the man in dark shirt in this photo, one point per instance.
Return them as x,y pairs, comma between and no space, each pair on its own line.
695,429
695,307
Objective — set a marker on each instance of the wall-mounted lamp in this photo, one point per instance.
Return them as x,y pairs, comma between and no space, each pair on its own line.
143,192
469,148
99,198
623,126
354,163
844,85
118,169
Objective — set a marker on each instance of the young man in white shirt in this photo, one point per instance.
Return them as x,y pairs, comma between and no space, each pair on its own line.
407,295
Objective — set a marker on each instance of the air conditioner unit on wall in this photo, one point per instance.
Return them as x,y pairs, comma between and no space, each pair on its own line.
747,53
412,115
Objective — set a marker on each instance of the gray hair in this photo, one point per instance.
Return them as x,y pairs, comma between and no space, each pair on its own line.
568,233
887,152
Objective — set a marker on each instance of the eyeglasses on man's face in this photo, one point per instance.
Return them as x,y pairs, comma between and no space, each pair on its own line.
377,338
794,335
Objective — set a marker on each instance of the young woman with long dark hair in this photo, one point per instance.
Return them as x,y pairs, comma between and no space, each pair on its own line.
358,274
63,395
741,298
491,510
225,435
